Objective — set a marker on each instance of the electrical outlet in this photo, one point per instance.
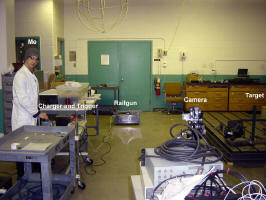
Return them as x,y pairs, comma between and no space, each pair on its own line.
160,53
182,55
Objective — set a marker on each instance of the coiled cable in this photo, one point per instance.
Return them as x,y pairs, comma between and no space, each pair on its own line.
188,149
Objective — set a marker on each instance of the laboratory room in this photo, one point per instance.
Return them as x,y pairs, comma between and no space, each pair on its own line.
133,100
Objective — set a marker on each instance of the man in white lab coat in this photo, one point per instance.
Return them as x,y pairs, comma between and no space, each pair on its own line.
25,97
25,93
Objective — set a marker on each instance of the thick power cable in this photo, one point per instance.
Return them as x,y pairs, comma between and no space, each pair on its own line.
188,150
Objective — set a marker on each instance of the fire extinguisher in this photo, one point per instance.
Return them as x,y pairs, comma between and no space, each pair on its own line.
157,86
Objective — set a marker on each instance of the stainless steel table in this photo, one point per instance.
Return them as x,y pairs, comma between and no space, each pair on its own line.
92,102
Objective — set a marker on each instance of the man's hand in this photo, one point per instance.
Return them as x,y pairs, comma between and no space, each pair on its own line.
43,116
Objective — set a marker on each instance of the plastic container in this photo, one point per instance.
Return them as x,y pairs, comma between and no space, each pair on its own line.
73,90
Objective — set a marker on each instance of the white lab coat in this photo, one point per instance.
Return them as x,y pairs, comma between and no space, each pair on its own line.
25,98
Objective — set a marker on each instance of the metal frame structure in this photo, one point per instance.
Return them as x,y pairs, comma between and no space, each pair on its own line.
77,111
248,150
58,137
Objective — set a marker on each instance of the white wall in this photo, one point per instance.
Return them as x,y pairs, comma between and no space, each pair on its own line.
216,34
7,35
58,22
35,18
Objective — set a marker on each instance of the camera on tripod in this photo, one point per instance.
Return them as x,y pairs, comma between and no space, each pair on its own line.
195,119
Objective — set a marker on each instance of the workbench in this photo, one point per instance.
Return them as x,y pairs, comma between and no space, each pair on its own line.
225,96
216,96
240,101
39,145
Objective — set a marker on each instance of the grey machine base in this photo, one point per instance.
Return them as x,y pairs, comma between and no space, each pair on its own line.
126,118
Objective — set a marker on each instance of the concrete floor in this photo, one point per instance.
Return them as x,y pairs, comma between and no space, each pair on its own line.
112,180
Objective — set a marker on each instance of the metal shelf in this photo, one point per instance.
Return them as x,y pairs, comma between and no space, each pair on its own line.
7,97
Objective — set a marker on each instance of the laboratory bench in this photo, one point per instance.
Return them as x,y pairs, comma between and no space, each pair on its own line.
225,96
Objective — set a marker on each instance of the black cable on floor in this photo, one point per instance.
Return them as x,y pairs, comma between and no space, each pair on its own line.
88,167
104,154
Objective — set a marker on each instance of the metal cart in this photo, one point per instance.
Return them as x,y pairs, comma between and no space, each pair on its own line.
75,110
39,144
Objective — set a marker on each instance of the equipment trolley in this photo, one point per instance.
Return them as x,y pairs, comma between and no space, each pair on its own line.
37,144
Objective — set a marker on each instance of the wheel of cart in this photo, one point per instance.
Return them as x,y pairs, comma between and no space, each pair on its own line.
81,185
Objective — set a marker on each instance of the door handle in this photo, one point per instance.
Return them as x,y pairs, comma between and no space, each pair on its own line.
122,78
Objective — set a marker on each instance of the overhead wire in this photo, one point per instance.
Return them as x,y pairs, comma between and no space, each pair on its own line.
102,14
83,10
77,10
90,15
180,14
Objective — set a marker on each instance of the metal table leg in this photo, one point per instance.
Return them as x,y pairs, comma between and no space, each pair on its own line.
77,148
27,170
81,185
72,158
97,121
46,174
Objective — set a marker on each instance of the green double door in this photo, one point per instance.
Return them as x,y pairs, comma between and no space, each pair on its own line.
126,64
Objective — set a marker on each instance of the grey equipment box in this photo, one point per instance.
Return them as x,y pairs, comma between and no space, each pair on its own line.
126,117
39,144
160,169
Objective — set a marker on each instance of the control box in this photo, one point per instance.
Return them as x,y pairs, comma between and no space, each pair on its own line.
160,169
146,182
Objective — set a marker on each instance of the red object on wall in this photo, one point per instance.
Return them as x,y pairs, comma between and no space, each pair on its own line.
157,86
158,91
